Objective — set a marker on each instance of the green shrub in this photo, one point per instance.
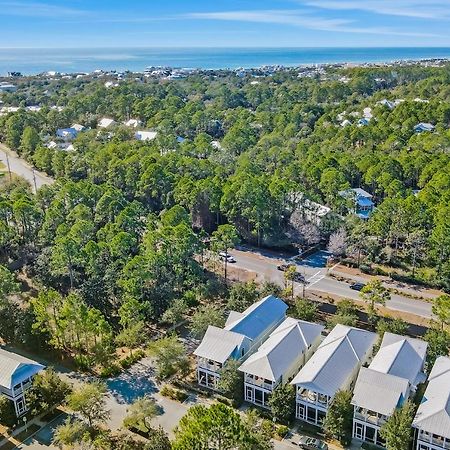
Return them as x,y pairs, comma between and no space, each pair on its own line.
110,371
132,359
174,394
282,430
83,362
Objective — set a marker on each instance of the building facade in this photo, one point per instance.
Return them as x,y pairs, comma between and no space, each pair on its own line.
278,359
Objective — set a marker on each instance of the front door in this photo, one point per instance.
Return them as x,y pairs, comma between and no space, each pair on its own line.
21,406
359,431
249,394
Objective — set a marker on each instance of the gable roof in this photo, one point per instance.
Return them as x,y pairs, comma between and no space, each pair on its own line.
289,341
335,359
15,368
106,122
258,317
219,344
433,414
379,392
401,356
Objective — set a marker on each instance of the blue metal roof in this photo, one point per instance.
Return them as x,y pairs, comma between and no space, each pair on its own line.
259,317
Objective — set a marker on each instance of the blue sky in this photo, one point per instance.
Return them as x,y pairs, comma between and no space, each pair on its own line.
224,23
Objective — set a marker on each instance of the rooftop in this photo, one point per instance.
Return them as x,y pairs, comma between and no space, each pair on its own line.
335,359
287,342
433,414
15,368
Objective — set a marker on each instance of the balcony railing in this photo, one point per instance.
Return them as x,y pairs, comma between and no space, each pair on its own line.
370,418
437,442
261,382
213,367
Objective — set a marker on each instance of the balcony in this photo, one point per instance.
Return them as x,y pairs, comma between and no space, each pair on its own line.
370,417
435,440
314,398
260,382
212,366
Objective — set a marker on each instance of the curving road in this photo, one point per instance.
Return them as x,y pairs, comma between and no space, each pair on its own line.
21,168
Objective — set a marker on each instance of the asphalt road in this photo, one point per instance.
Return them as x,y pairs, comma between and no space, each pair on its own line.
23,169
315,273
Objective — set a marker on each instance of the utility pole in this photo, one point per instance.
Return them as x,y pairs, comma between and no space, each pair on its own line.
9,167
34,181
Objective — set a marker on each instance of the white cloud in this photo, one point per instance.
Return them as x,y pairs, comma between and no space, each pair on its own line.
433,9
37,9
302,19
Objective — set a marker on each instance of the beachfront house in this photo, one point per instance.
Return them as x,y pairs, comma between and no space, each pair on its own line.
241,336
16,375
391,378
279,358
333,367
432,421
423,127
363,205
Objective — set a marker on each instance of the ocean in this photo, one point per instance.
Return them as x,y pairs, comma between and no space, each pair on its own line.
33,61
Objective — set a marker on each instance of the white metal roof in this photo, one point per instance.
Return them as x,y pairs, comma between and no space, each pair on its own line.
379,392
401,356
337,356
218,344
288,342
433,415
105,122
15,368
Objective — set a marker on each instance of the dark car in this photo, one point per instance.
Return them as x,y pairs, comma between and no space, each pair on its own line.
299,278
357,286
284,267
309,443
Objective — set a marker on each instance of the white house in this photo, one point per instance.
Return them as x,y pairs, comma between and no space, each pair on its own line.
16,374
432,420
78,127
333,367
386,384
7,87
145,135
106,123
279,358
241,336
133,123
423,127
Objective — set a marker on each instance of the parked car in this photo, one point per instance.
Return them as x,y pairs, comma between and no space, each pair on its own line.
309,443
357,286
299,278
284,267
226,256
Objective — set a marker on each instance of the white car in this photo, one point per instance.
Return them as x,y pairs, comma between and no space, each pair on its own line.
226,256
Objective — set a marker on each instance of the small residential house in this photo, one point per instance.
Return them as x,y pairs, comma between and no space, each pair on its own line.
145,135
78,127
7,87
66,134
363,204
106,123
432,421
241,336
133,123
386,384
16,375
423,127
279,358
333,367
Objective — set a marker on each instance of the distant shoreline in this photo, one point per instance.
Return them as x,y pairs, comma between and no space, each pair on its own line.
81,60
